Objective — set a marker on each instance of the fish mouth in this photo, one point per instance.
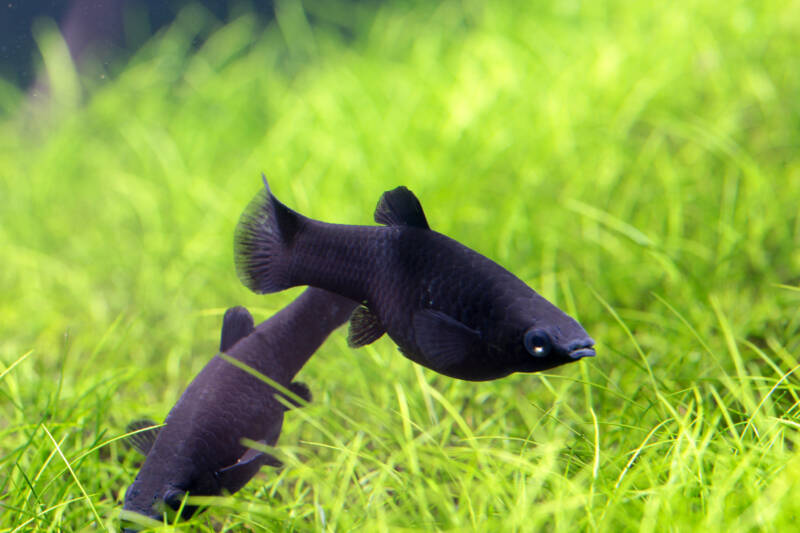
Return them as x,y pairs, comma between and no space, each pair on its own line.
134,521
581,349
580,353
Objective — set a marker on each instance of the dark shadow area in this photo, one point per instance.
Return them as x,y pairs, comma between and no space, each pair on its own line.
109,31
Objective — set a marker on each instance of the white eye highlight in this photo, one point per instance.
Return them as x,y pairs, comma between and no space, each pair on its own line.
537,342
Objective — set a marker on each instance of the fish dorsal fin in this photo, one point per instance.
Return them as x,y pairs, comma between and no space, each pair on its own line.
444,340
144,437
234,477
399,207
236,325
365,328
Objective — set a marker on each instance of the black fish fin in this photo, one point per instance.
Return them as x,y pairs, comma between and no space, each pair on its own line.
301,390
174,498
399,207
443,340
261,243
365,328
142,441
234,477
236,325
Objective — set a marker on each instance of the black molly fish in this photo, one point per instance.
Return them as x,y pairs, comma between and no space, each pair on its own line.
446,306
199,449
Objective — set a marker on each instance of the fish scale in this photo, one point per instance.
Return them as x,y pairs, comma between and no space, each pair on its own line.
446,306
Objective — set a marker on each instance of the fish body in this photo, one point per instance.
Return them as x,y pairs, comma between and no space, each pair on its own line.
199,449
446,306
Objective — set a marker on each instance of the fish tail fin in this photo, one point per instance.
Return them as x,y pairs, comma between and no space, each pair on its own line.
262,243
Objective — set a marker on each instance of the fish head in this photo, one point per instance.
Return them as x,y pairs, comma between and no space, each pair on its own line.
144,498
551,339
155,494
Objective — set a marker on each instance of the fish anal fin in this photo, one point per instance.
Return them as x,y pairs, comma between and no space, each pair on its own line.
236,325
365,328
144,437
444,341
234,477
300,389
399,207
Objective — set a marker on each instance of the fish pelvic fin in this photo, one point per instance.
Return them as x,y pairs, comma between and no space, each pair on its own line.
365,328
399,207
262,243
237,324
142,436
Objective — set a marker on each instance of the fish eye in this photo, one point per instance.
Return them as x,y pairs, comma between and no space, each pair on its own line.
537,342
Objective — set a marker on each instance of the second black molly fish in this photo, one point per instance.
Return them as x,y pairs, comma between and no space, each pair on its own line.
446,306
199,450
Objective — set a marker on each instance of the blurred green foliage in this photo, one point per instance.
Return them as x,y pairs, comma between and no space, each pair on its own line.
636,163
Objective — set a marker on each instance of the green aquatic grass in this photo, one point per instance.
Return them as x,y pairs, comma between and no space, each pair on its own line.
635,163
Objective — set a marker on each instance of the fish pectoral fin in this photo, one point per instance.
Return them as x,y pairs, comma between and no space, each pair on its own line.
399,207
143,435
174,498
444,340
236,325
252,454
365,328
234,477
271,460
